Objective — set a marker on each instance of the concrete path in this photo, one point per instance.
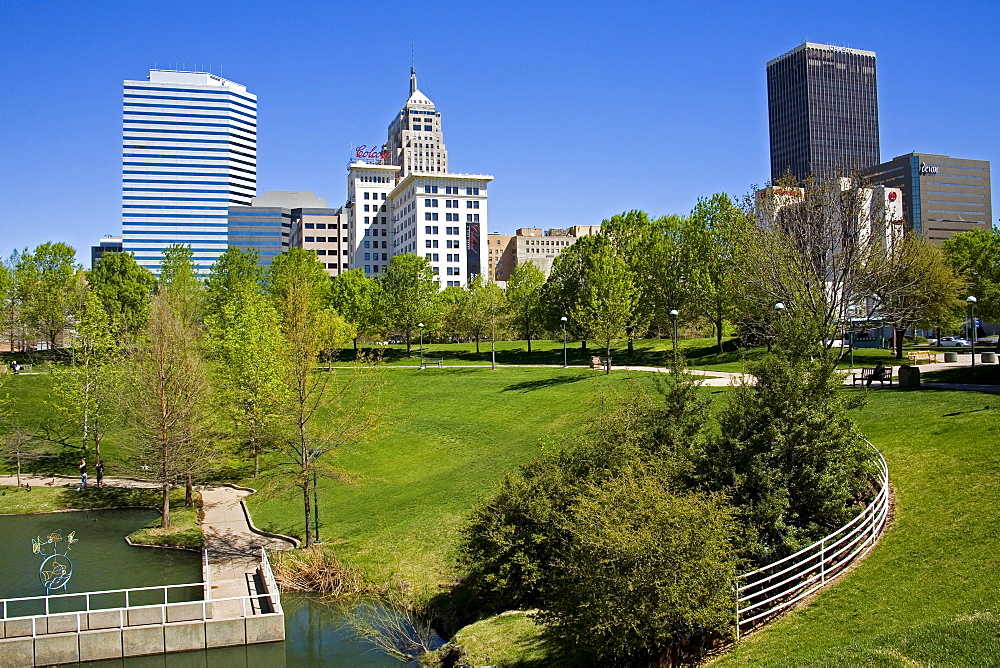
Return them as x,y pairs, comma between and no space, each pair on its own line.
964,360
233,549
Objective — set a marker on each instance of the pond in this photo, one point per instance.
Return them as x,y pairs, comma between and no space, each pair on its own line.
101,558
317,633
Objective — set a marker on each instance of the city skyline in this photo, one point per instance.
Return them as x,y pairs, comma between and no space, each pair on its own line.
636,108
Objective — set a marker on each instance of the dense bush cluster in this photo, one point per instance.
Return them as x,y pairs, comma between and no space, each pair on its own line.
629,539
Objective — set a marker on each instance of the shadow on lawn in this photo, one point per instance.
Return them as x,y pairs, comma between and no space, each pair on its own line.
532,385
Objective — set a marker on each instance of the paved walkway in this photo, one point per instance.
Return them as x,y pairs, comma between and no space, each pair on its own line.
964,360
233,549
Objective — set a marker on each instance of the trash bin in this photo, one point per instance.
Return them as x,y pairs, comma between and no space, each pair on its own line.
951,357
909,376
988,358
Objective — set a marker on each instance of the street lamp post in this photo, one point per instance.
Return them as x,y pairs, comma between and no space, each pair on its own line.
313,454
673,316
421,326
779,308
972,325
565,363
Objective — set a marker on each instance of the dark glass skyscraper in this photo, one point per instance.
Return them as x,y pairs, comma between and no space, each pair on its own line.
823,110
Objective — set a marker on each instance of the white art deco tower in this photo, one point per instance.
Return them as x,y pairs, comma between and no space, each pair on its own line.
189,151
416,142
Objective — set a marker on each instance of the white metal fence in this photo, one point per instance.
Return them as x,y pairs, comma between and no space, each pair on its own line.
116,605
765,592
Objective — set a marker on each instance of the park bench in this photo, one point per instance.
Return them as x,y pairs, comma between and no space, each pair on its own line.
598,362
21,368
867,373
434,360
916,356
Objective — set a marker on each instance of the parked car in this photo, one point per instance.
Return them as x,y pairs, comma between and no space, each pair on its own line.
952,341
987,340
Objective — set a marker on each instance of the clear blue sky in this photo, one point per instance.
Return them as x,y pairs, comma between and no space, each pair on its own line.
579,109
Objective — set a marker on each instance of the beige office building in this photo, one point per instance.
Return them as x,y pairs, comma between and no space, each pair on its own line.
531,244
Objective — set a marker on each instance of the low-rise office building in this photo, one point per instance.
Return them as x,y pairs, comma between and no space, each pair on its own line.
531,244
104,246
942,196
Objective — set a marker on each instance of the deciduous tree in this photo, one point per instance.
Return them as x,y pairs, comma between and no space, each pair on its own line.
410,292
124,288
357,299
524,299
169,399
85,393
607,298
50,289
922,288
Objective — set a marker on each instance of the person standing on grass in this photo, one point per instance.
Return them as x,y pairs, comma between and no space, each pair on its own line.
100,472
83,472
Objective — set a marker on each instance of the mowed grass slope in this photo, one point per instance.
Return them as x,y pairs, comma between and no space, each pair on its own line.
930,592
450,439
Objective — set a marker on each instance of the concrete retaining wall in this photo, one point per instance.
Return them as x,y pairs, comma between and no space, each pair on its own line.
18,647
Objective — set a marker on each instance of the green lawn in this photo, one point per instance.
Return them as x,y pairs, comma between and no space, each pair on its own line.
183,532
453,435
930,592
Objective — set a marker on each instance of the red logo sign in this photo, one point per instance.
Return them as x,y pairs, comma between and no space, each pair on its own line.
892,197
364,152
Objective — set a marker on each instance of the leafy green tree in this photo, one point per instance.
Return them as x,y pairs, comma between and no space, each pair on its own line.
231,274
714,226
9,301
299,288
410,293
788,457
180,281
975,257
922,288
453,307
168,399
561,291
85,393
644,568
245,337
124,288
524,298
50,289
606,304
475,313
494,302
357,299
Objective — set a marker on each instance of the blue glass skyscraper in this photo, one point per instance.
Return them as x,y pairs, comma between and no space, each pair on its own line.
189,151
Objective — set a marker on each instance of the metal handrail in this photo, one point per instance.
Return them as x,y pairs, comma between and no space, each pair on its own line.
804,572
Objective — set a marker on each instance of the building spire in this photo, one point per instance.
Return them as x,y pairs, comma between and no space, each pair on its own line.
413,80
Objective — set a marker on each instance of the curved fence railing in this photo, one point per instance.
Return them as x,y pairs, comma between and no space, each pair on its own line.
765,592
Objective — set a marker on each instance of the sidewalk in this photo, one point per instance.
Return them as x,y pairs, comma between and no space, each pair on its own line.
964,360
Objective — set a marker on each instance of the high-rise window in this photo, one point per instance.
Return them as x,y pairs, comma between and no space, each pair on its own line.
823,109
185,131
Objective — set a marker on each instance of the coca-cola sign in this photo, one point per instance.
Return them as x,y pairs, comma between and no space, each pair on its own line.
374,153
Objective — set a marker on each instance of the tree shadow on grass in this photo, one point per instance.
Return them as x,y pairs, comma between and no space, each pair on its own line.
110,497
532,385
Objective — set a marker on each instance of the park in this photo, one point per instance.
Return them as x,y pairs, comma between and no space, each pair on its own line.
458,494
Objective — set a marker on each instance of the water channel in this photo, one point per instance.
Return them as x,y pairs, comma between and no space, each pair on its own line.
316,632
